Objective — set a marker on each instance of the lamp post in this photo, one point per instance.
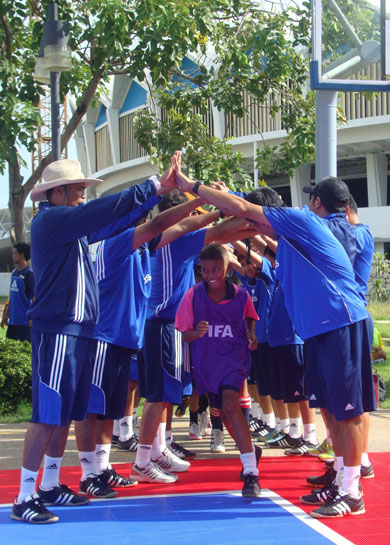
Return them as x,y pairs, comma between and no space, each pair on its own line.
56,56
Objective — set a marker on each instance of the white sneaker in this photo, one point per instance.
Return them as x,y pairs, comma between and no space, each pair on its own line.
204,423
152,473
216,442
194,432
170,462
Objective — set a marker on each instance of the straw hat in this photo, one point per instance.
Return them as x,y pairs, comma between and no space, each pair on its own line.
62,172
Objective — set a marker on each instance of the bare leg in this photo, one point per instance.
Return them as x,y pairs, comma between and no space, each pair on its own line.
104,431
151,419
57,441
239,425
86,434
35,444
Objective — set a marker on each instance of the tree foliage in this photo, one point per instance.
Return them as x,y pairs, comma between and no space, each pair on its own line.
238,45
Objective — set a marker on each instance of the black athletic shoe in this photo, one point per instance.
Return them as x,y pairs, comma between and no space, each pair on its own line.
180,451
329,464
130,445
318,497
258,453
61,495
322,480
33,511
114,440
251,488
339,506
112,479
285,441
255,425
367,472
301,449
94,486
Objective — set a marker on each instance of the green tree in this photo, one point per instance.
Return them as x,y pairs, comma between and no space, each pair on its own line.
254,51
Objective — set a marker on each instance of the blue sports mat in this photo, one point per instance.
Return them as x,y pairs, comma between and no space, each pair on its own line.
204,519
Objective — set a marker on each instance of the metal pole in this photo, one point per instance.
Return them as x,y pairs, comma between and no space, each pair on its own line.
55,99
326,134
55,115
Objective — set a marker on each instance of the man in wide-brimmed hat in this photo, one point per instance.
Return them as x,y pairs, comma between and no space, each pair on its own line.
63,314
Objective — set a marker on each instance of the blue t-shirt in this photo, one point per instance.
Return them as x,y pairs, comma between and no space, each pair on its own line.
281,330
20,296
357,241
316,275
124,281
364,253
265,284
173,274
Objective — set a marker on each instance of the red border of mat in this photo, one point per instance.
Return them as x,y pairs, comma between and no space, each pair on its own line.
286,476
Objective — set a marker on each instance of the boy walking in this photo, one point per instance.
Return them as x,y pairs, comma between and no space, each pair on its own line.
218,318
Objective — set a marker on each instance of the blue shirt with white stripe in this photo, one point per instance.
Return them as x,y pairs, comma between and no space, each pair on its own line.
318,280
66,294
124,280
173,274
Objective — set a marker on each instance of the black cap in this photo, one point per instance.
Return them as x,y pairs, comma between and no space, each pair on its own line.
332,191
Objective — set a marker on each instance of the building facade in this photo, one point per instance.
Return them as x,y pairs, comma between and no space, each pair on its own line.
107,148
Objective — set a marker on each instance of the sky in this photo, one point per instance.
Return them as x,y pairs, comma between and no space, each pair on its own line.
26,172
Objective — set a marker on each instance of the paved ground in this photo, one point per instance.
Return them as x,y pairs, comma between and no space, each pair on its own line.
12,436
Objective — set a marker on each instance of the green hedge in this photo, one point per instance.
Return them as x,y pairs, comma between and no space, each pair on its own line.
15,374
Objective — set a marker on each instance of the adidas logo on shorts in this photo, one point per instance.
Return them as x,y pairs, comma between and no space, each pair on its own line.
349,407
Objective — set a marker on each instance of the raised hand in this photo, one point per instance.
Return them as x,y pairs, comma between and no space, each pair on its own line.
168,179
183,182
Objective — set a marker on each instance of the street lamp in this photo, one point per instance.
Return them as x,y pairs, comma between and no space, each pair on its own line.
54,57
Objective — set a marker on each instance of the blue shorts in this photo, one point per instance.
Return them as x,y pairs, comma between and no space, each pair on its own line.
261,364
338,371
288,359
61,377
134,367
110,380
162,368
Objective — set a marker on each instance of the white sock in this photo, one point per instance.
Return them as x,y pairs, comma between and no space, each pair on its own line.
255,410
102,457
156,451
51,472
295,427
116,429
161,432
269,419
248,460
28,482
310,432
365,460
277,424
126,428
143,455
285,425
340,470
351,481
168,437
87,463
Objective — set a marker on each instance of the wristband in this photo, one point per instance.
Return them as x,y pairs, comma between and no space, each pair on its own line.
221,214
195,187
